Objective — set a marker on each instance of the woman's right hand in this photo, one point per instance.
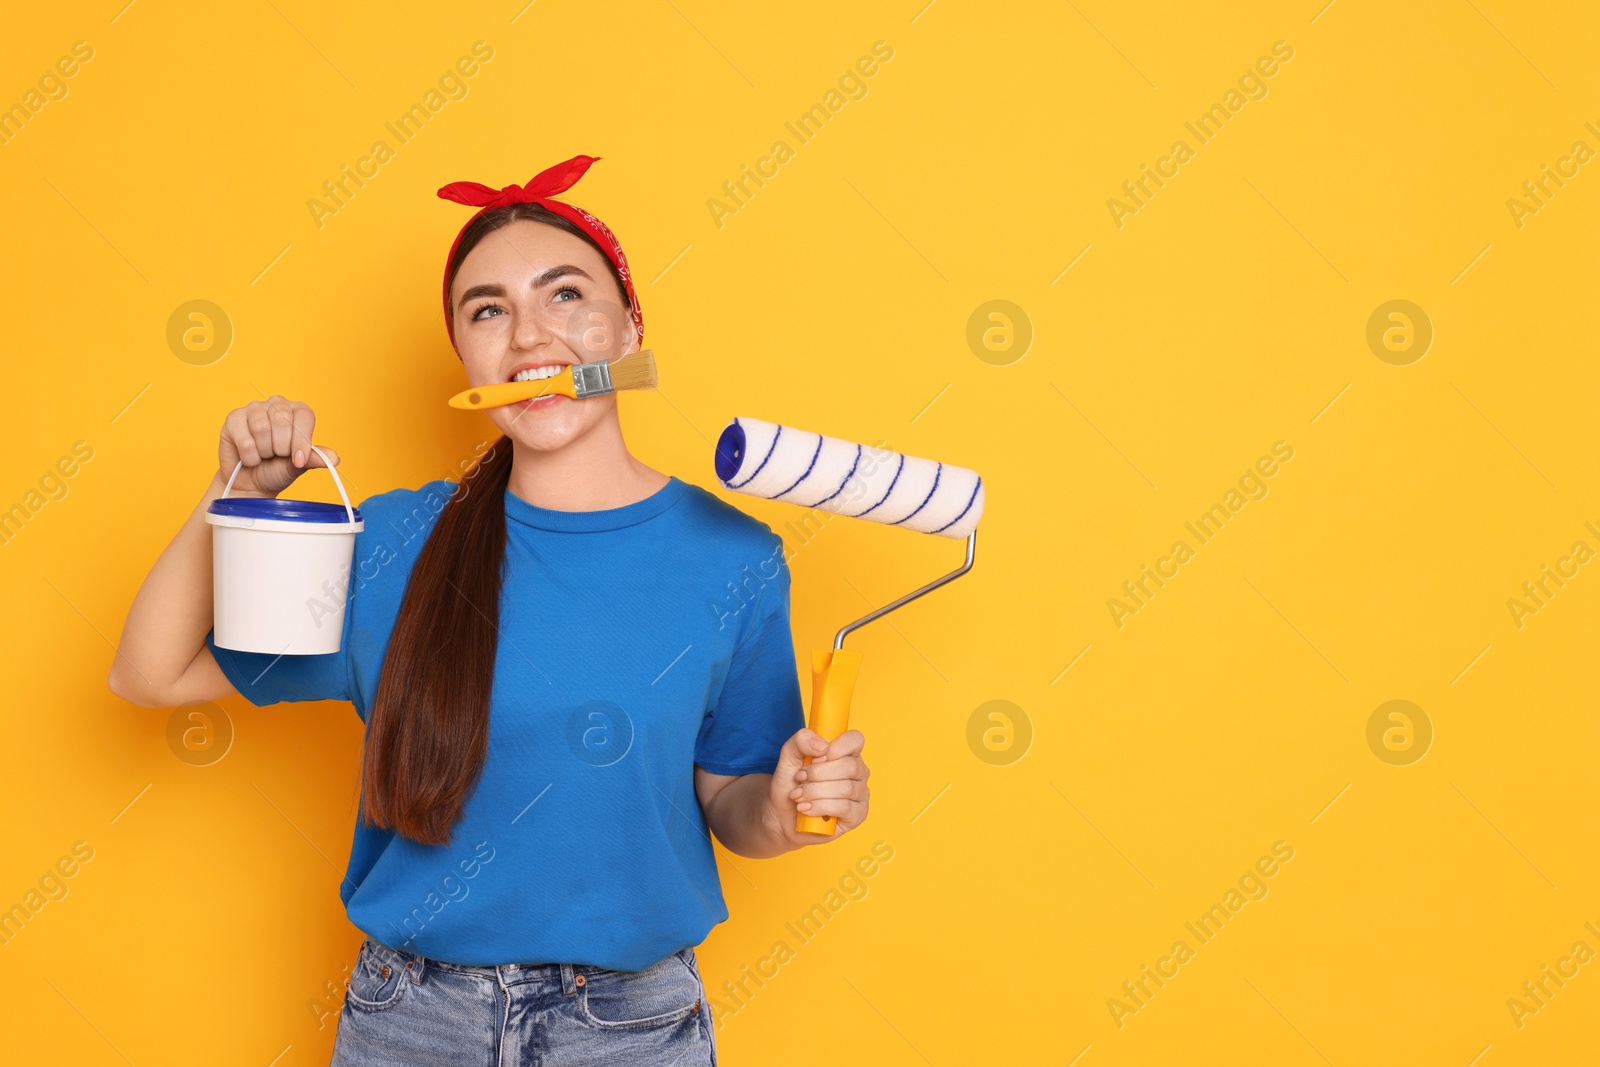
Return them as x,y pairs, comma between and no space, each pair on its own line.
272,438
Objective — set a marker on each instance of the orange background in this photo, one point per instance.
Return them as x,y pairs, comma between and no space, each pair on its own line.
1041,859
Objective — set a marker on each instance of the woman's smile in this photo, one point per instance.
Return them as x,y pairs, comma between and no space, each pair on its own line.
527,372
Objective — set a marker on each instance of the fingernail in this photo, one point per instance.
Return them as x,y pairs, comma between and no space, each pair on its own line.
299,458
803,805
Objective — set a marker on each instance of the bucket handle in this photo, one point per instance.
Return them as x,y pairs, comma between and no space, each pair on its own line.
338,483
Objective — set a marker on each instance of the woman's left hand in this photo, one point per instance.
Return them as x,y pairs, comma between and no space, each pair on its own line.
833,783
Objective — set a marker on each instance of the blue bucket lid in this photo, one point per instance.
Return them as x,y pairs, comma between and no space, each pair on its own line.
255,507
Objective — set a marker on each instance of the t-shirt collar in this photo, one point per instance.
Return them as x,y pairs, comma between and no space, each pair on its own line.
519,510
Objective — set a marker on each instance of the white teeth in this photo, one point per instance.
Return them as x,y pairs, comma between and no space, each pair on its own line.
536,373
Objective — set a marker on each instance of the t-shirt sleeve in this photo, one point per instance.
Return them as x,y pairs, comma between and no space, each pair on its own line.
263,678
759,707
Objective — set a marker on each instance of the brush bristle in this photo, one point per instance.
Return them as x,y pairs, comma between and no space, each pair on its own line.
635,371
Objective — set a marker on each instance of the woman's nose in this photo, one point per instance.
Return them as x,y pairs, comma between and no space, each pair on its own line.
530,331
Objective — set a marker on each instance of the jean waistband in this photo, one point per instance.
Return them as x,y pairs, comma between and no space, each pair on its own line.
570,976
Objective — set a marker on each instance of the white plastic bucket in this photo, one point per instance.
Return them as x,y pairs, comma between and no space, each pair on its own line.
281,570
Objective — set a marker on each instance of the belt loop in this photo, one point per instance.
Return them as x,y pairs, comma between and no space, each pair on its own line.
569,984
415,963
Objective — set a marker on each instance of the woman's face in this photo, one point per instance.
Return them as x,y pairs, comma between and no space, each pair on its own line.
529,296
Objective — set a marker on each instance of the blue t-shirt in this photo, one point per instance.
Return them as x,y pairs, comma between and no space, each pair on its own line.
635,643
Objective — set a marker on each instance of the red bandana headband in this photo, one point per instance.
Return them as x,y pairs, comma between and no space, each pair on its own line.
544,185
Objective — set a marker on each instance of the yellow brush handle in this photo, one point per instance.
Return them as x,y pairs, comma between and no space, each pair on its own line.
833,679
493,396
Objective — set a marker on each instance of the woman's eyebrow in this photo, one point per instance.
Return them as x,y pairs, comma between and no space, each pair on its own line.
480,290
548,276
543,278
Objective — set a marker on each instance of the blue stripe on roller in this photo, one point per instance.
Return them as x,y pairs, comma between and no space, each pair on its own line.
763,463
964,510
937,471
809,467
842,484
892,481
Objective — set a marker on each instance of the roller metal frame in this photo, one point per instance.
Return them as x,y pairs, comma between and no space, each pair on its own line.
972,546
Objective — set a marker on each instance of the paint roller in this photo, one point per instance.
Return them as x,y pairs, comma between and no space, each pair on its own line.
777,462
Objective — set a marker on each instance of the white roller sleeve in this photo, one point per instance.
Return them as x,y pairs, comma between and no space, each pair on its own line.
859,481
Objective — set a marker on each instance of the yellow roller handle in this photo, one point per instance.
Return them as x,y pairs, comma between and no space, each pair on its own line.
493,396
833,679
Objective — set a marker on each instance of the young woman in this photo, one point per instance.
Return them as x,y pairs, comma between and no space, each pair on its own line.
572,669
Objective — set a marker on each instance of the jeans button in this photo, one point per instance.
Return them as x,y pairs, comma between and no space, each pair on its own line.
579,980
511,966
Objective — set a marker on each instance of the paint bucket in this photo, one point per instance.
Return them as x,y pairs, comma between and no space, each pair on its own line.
281,570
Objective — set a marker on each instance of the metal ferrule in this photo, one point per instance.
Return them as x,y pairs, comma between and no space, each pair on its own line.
591,379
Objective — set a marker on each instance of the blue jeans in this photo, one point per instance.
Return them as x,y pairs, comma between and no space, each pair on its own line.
405,1009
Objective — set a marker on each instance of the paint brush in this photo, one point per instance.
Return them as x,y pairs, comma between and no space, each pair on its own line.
579,381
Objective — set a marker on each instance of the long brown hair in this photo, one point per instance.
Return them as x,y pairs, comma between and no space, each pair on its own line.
428,727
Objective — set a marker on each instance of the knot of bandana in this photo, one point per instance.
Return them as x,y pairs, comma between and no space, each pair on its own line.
539,190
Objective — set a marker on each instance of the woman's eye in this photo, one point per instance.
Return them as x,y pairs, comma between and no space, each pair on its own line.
569,289
479,314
